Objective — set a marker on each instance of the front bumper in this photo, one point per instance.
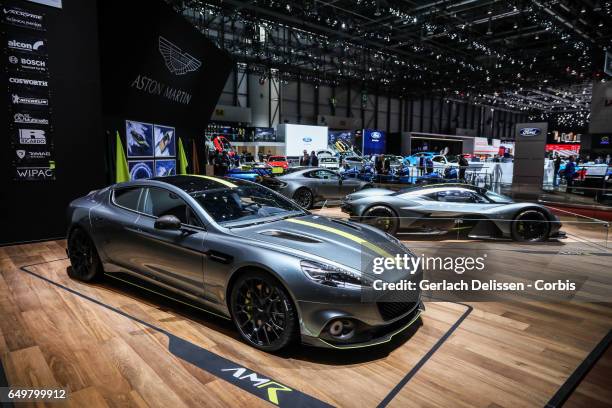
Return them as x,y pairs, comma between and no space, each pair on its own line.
375,332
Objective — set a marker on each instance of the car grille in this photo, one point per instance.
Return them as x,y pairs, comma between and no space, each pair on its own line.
392,310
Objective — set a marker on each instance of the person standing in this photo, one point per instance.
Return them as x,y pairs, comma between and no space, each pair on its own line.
305,159
314,160
421,165
570,171
463,165
557,166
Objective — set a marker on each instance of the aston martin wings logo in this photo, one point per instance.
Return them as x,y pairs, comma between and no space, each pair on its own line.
177,61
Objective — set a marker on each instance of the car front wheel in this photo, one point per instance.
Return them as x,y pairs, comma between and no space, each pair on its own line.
84,260
530,226
304,198
381,217
263,311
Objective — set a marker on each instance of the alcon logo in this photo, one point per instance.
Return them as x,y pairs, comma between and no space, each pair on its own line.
272,387
25,46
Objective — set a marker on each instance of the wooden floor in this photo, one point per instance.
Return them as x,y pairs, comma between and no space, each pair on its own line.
503,354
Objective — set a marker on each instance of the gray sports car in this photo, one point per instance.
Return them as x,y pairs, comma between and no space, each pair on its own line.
452,208
243,252
310,185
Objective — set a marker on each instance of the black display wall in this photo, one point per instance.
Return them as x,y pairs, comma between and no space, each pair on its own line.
33,210
157,69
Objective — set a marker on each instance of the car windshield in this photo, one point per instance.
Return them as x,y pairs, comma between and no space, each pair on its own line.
497,198
245,204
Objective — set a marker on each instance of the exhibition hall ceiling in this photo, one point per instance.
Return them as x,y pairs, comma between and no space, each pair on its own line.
465,49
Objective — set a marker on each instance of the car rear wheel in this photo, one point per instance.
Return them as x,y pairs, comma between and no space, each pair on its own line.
530,226
84,259
263,311
304,198
381,217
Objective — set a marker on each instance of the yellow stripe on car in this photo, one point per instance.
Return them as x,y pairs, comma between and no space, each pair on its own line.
346,235
218,180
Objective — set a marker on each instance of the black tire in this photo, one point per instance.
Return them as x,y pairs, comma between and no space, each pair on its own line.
381,217
86,265
530,226
263,312
304,198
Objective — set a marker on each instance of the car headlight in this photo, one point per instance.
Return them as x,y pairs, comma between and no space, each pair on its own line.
333,276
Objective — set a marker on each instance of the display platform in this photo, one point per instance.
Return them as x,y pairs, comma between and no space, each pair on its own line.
112,344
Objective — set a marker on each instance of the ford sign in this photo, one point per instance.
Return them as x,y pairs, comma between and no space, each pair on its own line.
375,136
530,131
307,140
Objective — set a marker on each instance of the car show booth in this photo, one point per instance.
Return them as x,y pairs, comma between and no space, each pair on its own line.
167,243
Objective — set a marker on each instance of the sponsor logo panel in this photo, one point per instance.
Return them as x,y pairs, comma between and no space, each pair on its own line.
27,63
28,45
30,118
18,17
29,82
19,99
35,173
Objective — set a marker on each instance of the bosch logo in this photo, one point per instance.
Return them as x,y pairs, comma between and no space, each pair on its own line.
13,59
530,131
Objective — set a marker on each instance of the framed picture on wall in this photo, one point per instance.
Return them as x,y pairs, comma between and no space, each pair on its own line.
139,139
140,169
165,141
165,167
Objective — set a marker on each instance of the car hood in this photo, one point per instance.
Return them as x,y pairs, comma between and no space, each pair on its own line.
321,238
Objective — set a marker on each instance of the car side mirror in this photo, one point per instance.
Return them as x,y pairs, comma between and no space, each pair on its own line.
168,222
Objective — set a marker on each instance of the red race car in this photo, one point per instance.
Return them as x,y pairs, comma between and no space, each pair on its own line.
278,161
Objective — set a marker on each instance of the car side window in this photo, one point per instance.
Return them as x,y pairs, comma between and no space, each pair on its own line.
459,196
325,175
128,197
159,202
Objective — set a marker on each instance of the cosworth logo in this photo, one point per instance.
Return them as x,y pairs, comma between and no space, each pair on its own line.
272,387
177,61
28,81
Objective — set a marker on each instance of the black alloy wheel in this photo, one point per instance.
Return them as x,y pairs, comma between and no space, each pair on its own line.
530,226
382,217
304,198
263,312
86,265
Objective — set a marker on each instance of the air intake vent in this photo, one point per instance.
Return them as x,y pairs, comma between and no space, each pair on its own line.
291,236
347,224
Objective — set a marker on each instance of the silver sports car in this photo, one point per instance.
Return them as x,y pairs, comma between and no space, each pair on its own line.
243,252
452,208
312,184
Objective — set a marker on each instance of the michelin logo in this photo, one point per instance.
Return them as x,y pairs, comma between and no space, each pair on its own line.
20,100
